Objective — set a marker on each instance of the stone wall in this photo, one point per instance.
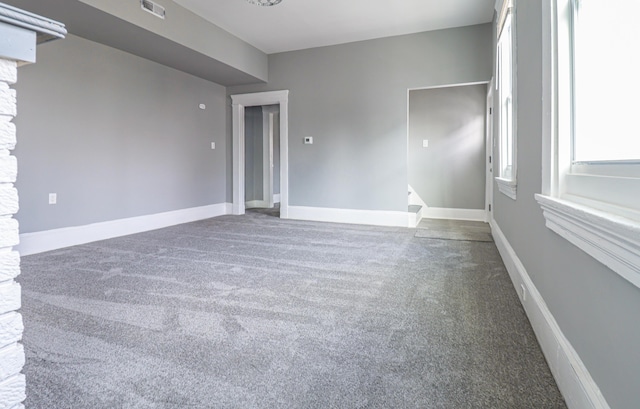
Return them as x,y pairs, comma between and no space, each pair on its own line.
12,358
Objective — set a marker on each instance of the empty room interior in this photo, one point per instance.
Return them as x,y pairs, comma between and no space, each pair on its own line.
319,204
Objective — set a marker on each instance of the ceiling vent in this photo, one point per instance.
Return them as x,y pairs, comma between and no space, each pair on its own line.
153,8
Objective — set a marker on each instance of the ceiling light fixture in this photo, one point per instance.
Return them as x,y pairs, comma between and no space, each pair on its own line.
265,2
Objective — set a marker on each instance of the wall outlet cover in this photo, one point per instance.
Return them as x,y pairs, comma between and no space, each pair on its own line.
53,198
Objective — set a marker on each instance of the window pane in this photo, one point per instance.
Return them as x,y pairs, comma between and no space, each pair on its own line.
505,79
607,87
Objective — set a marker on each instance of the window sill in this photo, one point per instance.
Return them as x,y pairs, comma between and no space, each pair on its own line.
507,187
612,240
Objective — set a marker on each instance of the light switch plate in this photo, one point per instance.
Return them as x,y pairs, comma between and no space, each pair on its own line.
53,198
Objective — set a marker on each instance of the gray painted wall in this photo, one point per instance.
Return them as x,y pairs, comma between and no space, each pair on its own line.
253,153
596,309
114,136
450,172
352,99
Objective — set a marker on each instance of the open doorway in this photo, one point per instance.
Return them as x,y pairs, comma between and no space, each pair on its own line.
240,103
447,172
262,157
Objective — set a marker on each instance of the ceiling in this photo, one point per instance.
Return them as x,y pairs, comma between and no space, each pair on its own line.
300,24
291,25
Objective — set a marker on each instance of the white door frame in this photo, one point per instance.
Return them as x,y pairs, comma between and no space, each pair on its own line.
461,214
268,114
238,104
490,159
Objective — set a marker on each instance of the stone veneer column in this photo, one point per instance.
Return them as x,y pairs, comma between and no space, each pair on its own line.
20,31
12,382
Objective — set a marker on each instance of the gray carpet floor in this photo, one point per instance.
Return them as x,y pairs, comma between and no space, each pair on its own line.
257,312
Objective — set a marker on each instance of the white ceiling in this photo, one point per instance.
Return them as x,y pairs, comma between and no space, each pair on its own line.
300,24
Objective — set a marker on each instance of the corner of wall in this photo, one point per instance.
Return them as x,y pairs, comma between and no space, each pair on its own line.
574,380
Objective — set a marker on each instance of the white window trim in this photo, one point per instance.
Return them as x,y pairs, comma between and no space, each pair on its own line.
507,186
612,240
608,233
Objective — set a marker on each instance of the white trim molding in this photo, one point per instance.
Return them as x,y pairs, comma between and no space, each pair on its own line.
489,160
507,187
252,204
612,240
349,216
238,103
39,242
42,28
414,219
578,388
478,215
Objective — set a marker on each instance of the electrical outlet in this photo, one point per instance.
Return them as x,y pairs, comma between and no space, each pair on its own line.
53,198
425,143
308,140
213,145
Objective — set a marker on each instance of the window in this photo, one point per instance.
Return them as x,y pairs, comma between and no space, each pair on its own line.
506,178
591,145
605,68
603,107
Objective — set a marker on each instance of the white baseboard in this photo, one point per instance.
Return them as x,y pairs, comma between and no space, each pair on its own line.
252,204
261,203
454,214
576,384
415,218
350,216
412,220
38,242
